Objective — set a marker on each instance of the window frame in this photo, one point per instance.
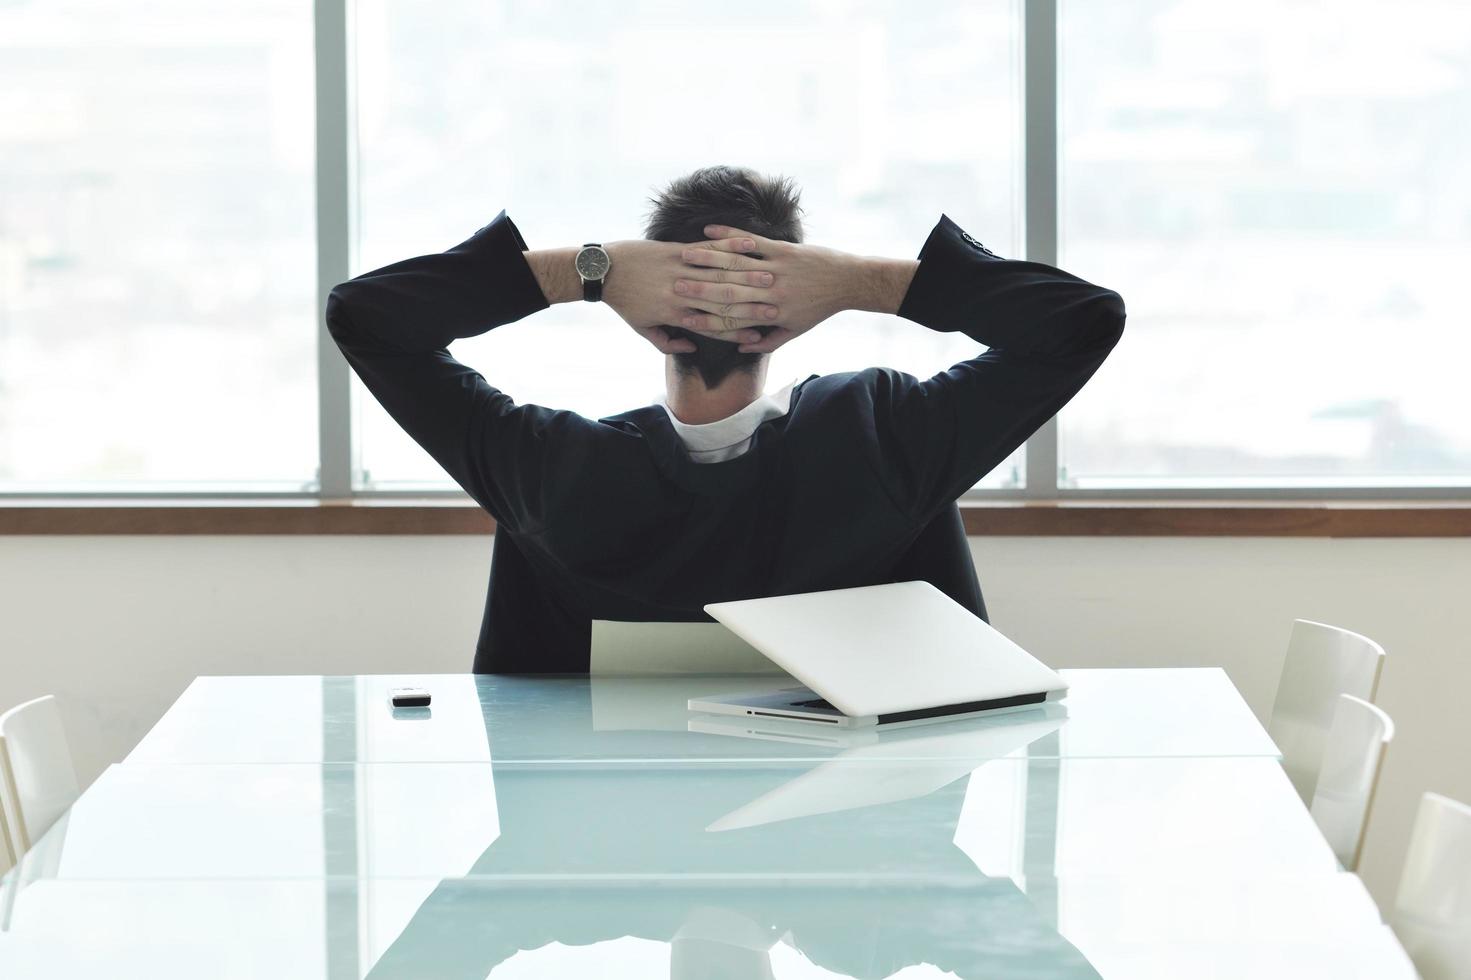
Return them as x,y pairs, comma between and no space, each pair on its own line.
339,476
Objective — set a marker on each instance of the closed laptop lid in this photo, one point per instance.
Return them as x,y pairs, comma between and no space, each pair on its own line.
881,649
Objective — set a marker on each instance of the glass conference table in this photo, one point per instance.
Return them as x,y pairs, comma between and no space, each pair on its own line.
530,827
607,721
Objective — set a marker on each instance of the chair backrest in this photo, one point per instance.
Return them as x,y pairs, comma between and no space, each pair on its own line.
7,843
1322,663
672,648
36,769
1352,757
1432,913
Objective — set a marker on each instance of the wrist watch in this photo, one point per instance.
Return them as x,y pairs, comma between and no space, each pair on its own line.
593,265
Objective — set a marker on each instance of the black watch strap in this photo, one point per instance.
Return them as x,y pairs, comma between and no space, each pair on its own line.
592,289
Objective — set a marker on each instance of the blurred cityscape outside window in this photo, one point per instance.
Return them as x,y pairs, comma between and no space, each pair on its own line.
1278,194
1279,190
157,254
569,115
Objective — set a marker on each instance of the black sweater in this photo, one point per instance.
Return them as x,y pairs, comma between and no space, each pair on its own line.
610,519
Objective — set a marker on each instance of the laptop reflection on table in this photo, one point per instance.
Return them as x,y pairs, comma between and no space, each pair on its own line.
875,767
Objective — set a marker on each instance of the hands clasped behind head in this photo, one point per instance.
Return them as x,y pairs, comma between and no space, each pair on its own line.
756,292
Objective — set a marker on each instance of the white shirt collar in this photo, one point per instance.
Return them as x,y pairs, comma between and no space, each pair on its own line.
729,437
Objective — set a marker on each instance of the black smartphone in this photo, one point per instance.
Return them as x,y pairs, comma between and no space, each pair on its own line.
408,697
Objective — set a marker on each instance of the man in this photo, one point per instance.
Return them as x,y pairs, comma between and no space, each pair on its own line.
722,493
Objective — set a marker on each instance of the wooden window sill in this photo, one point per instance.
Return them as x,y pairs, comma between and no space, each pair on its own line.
1154,518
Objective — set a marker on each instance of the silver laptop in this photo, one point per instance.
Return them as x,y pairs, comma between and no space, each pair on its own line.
895,654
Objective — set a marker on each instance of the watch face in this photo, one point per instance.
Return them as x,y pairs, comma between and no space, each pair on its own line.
592,263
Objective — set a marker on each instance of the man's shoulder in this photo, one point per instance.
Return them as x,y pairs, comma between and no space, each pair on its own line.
832,410
865,384
631,421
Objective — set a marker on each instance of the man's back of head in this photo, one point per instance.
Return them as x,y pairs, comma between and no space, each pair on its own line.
721,195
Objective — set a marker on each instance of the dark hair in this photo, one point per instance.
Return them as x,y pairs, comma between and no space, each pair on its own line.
735,196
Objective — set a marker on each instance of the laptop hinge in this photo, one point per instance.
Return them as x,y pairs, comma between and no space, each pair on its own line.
781,714
958,709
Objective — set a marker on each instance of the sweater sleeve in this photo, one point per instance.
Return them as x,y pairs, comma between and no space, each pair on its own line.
394,326
1045,331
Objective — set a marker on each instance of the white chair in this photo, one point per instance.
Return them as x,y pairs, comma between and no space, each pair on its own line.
672,648
1432,913
7,845
1352,757
1322,663
36,769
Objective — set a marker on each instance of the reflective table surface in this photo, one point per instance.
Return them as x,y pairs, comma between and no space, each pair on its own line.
955,821
1183,713
300,827
1323,926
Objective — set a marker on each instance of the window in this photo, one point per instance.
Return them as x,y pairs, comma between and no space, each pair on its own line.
569,114
1276,188
157,263
1279,191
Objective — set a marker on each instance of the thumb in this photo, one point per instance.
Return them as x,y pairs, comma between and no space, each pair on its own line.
666,344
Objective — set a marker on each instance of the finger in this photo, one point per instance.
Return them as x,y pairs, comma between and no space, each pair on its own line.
747,336
714,325
718,259
751,277
773,339
740,335
726,233
739,242
719,292
757,312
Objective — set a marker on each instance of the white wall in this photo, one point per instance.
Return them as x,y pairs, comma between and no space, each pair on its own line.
117,626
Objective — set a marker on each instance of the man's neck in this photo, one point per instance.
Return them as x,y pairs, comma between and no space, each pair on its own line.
694,404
